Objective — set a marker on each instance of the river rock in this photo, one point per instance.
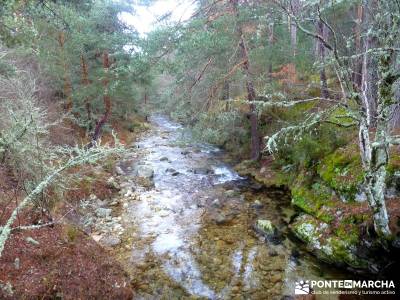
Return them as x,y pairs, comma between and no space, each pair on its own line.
110,241
112,182
119,171
203,171
144,171
266,227
257,204
338,250
230,193
222,219
103,212
164,158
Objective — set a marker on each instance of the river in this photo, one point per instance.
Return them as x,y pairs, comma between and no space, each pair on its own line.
191,234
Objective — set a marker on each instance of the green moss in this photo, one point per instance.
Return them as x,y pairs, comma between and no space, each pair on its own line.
316,200
329,247
342,170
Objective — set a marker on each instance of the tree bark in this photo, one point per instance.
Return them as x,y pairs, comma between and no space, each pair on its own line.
85,82
322,31
295,8
370,65
358,65
271,44
106,98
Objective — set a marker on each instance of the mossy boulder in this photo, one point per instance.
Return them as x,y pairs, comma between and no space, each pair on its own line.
316,200
332,248
342,170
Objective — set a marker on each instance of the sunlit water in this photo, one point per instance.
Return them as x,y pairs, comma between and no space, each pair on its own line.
193,239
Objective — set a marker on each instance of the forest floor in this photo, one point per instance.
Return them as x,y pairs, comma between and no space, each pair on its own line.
61,261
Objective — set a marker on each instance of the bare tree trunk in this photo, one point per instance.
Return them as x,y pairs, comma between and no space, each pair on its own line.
271,44
358,65
370,65
106,98
322,31
375,155
251,94
295,7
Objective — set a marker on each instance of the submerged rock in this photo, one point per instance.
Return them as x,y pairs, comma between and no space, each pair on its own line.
203,171
231,193
266,227
257,204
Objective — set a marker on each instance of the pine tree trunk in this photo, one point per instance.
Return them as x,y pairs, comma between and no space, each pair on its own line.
85,82
67,79
106,98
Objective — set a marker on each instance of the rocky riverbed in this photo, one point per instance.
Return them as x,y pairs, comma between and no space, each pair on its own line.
186,226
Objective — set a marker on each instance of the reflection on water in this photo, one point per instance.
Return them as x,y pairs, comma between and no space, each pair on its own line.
194,237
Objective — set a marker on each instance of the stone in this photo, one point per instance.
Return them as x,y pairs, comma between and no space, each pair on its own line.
170,170
164,158
185,152
216,203
144,171
17,263
275,278
202,171
110,241
119,171
272,253
221,219
257,204
111,182
230,193
266,227
103,212
32,241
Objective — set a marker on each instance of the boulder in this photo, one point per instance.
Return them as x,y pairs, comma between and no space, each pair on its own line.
144,171
327,246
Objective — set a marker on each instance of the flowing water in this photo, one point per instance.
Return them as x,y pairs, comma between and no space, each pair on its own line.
192,233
